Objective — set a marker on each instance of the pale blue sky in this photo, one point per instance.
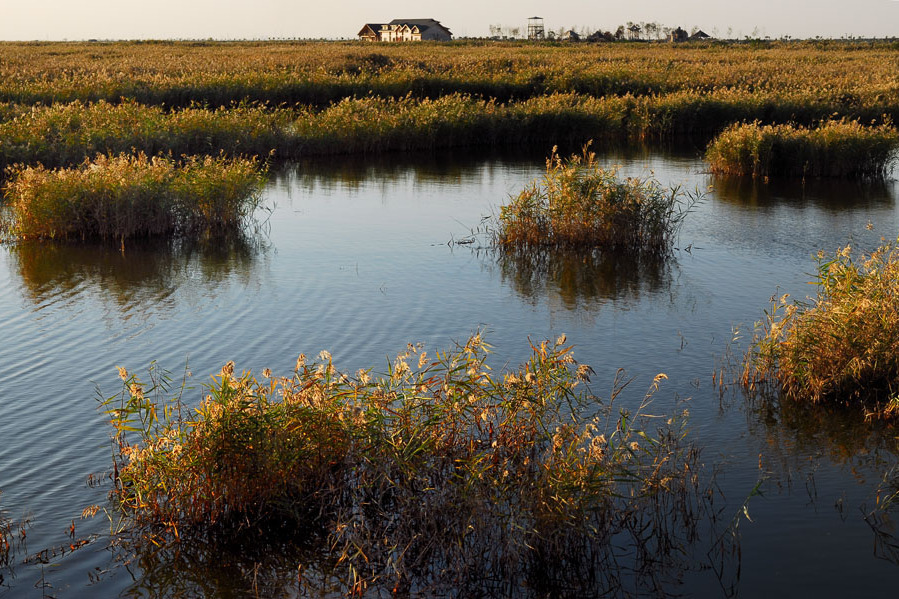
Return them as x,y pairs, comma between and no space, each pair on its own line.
131,19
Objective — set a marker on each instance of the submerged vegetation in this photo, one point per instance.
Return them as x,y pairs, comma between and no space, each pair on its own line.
843,347
577,204
119,197
834,149
439,474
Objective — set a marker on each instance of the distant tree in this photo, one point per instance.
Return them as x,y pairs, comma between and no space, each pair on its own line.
496,30
633,30
619,33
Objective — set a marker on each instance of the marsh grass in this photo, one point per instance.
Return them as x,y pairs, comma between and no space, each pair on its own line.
841,347
578,204
126,196
834,149
439,475
12,542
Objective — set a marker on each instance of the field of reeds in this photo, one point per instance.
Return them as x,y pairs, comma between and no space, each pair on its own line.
64,102
843,346
578,204
833,149
125,196
179,73
439,474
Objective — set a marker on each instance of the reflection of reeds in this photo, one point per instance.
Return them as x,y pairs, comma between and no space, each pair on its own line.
833,149
577,204
147,269
119,197
831,194
583,277
441,474
844,346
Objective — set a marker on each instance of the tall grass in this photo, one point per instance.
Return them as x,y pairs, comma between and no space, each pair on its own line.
843,346
64,134
834,149
438,475
580,204
124,196
217,74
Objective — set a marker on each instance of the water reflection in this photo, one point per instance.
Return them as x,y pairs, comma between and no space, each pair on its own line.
445,168
256,567
145,273
799,440
792,430
583,279
833,195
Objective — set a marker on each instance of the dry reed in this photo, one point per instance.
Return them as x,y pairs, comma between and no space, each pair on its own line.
843,347
438,475
119,197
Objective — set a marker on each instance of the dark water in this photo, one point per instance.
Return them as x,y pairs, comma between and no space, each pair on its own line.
354,258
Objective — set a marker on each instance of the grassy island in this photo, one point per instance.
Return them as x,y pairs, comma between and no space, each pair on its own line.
124,196
439,472
578,204
834,149
843,346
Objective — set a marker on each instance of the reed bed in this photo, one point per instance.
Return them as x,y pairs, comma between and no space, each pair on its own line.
834,149
178,74
843,346
440,474
125,196
64,134
578,204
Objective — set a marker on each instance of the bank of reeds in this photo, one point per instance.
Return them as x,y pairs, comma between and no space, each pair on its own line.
833,149
64,134
125,196
578,204
440,474
843,346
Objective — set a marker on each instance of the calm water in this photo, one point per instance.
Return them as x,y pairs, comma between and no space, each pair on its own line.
354,258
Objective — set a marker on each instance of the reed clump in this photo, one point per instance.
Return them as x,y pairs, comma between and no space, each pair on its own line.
841,148
578,204
843,346
439,474
125,196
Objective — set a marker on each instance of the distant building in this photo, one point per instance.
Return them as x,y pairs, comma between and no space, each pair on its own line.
405,30
370,32
571,36
700,35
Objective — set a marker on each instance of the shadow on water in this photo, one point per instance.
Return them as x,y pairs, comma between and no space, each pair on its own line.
146,273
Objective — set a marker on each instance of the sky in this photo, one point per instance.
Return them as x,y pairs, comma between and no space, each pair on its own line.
262,19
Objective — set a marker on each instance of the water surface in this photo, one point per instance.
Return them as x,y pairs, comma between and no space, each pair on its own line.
356,256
